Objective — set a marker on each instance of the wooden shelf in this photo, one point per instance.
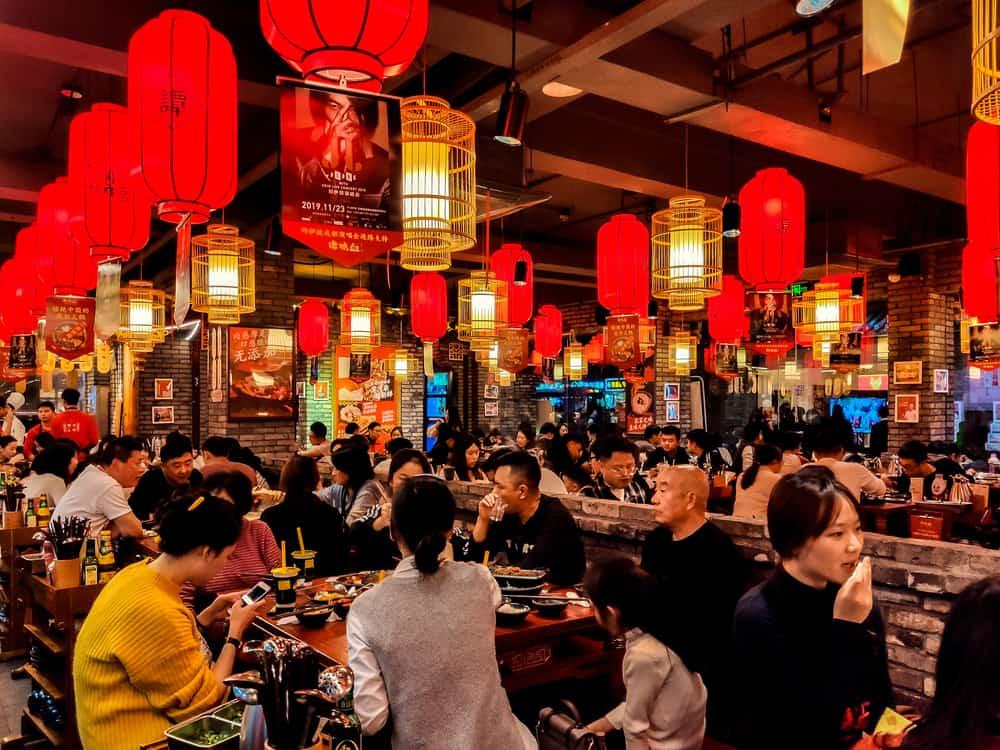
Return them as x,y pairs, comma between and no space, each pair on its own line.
46,683
52,735
45,638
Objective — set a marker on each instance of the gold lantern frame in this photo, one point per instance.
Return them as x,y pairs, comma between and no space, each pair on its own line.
574,361
677,345
813,314
476,325
222,274
678,275
986,61
357,305
439,183
140,335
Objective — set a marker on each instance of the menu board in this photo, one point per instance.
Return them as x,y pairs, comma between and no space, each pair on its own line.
375,399
341,166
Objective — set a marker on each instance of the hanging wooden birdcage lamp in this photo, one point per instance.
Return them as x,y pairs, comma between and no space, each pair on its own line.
360,321
986,61
687,253
142,316
827,311
574,361
682,350
222,274
439,183
505,379
482,309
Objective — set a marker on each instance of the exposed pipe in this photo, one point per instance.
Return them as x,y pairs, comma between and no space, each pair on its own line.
827,44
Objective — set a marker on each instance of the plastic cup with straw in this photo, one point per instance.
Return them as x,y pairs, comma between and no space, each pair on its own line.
305,559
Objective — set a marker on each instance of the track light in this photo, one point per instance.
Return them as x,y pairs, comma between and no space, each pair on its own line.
731,218
513,115
520,273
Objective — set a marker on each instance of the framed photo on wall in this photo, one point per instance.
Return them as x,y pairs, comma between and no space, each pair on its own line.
261,373
163,389
908,373
163,415
673,412
321,390
671,391
907,408
491,409
940,381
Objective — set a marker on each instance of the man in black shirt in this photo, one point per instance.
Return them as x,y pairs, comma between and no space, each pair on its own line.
699,571
669,451
536,531
174,476
936,477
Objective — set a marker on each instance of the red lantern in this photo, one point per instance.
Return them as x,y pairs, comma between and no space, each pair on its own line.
73,270
727,321
313,327
513,264
982,185
979,283
360,42
28,254
16,293
548,331
623,265
428,312
593,350
182,110
773,230
115,207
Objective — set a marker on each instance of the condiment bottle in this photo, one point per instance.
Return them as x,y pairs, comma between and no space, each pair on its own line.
30,519
105,557
89,573
43,513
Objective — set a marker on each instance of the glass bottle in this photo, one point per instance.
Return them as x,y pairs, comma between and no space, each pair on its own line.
89,570
105,557
43,513
30,519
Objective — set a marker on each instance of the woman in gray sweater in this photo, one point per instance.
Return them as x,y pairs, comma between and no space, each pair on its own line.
422,643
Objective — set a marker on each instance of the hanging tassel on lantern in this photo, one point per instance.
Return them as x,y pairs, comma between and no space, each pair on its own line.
108,306
182,286
429,359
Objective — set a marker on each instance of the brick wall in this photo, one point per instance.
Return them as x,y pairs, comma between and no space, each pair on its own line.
171,359
915,580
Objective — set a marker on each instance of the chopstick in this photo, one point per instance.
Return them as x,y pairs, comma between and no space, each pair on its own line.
547,598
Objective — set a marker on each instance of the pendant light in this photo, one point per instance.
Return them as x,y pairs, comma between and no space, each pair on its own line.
682,350
222,274
623,265
313,327
141,323
482,302
513,264
731,213
985,61
548,331
428,313
505,379
513,112
439,183
360,321
727,320
687,250
982,185
574,361
773,230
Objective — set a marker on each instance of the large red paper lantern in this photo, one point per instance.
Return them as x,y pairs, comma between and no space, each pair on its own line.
548,331
982,185
27,252
773,230
182,109
313,328
69,268
513,264
360,42
727,321
429,306
979,283
16,293
623,265
115,207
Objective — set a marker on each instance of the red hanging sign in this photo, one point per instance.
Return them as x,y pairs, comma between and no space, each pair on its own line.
69,326
622,341
341,167
512,354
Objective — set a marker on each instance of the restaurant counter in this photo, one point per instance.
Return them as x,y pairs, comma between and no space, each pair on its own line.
915,580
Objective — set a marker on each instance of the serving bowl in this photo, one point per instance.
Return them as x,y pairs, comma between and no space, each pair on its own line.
512,613
548,607
313,617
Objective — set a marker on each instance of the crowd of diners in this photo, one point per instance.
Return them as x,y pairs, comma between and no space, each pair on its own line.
799,660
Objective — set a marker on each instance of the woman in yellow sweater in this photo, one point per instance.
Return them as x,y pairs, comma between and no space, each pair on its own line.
138,665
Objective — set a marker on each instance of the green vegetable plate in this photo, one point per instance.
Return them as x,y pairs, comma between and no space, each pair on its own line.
207,731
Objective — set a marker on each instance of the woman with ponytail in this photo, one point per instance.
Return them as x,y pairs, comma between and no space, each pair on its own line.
753,487
437,697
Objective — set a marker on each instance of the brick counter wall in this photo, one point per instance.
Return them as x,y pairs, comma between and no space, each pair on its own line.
915,580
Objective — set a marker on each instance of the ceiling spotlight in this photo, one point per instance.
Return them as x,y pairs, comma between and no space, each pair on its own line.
558,90
808,8
731,218
70,92
512,116
520,273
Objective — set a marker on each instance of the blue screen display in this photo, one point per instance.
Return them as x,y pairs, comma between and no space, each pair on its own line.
860,411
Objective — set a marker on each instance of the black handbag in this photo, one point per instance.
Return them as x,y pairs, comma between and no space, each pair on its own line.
558,730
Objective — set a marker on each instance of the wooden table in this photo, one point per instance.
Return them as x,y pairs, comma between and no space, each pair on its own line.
536,651
877,517
948,512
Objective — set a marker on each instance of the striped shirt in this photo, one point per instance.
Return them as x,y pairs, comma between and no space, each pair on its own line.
255,554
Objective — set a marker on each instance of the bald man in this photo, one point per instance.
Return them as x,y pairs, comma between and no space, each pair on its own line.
700,576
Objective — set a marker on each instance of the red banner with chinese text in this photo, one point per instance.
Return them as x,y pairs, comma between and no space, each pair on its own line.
69,326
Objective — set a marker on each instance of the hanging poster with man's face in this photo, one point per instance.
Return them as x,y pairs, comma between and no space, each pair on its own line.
984,343
770,321
846,351
341,166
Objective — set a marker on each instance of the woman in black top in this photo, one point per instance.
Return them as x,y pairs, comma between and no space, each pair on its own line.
965,713
301,509
465,459
704,447
809,659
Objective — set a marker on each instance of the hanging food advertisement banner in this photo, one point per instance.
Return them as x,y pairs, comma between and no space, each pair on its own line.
261,373
770,322
22,352
512,352
341,171
845,353
984,343
622,341
375,399
69,326
641,407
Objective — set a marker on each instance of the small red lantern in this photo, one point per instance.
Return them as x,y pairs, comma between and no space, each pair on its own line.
593,350
360,42
313,327
182,110
982,185
727,321
548,331
115,207
428,312
513,264
623,265
979,282
73,270
773,230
